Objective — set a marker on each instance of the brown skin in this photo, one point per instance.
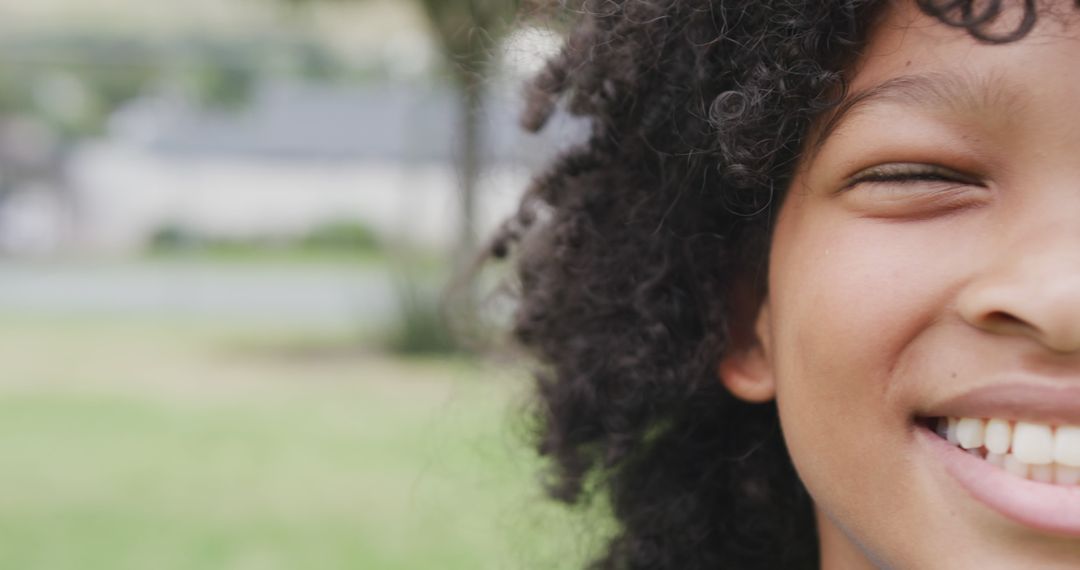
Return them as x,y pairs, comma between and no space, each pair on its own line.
888,298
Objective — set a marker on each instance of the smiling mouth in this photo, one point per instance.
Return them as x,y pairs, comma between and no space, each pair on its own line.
1013,446
1029,486
1038,452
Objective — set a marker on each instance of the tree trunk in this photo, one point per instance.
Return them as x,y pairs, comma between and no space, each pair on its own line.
470,161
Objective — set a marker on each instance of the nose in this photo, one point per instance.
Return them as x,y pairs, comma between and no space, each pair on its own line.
1031,289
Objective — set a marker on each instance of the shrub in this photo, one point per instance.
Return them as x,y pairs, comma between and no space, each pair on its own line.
341,236
421,327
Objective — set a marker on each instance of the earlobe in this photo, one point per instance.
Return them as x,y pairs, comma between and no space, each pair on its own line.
746,370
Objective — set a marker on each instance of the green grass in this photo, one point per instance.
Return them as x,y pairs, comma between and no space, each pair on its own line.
426,262
136,446
256,256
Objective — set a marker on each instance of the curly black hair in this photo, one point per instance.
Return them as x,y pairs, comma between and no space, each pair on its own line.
641,252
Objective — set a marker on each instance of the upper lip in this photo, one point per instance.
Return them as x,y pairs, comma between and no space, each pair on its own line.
1020,401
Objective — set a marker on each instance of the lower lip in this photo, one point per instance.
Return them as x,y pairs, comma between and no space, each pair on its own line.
1041,506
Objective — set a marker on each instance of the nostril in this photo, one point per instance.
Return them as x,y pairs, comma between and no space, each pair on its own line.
1043,308
1057,339
1002,318
1005,322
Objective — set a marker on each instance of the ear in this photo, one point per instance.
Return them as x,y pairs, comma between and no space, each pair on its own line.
746,370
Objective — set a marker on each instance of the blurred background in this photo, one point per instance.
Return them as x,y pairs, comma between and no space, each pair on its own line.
226,232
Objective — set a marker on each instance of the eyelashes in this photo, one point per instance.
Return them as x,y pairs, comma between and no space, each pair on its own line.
903,191
910,173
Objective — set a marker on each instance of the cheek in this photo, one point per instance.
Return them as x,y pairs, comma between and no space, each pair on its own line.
835,332
850,302
848,299
850,296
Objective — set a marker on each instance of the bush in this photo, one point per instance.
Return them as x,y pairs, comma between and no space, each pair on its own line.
421,327
334,238
173,237
341,236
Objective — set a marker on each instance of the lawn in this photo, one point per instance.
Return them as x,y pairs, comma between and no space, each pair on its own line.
137,445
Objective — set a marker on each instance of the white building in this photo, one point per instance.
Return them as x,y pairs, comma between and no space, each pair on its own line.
296,157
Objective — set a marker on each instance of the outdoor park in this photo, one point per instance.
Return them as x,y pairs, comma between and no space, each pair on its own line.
227,232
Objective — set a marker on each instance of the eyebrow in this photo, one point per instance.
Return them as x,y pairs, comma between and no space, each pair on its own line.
956,92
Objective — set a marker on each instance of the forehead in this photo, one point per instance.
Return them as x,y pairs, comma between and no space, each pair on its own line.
990,98
914,63
905,38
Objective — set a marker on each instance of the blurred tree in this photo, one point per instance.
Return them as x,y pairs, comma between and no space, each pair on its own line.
57,89
469,32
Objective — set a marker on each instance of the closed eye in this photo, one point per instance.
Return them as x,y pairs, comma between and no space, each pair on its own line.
909,173
912,191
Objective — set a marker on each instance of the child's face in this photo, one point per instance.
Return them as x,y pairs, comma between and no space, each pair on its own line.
926,263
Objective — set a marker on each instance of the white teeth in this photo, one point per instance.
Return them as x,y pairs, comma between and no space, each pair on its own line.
969,432
1067,446
1066,475
1033,443
950,434
1018,468
998,436
1038,452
